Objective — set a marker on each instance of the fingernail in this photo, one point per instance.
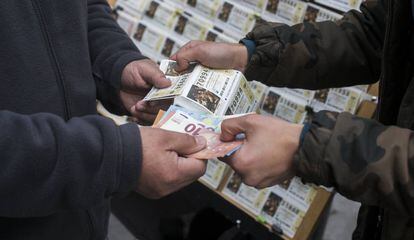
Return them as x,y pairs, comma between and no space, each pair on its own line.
167,80
201,141
240,136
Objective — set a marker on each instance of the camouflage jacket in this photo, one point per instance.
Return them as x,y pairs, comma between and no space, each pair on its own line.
370,161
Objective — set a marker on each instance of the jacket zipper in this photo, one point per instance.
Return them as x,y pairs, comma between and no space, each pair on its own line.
90,224
381,95
52,56
386,37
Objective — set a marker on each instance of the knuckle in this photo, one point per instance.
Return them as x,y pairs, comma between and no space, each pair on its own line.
179,56
201,170
155,195
164,192
251,181
251,119
204,168
159,74
193,43
186,139
155,192
261,186
159,194
165,136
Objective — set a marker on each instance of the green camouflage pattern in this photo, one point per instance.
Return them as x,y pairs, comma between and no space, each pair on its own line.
370,161
326,54
366,162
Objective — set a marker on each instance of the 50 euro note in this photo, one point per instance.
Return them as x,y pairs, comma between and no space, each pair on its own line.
182,122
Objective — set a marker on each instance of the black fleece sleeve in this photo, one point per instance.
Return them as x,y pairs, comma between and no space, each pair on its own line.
110,98
110,47
49,165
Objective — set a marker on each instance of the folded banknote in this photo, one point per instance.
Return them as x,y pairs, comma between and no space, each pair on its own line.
179,120
215,147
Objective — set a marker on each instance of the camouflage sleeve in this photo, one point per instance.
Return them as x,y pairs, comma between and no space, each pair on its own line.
320,55
363,159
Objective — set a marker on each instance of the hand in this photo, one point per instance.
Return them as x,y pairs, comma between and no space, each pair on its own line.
211,54
164,170
266,156
138,78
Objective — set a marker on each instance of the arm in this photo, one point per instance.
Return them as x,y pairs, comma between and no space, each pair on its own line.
110,47
123,76
110,98
362,159
50,165
320,55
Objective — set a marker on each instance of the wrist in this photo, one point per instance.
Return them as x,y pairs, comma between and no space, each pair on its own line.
250,46
240,57
295,133
128,73
305,130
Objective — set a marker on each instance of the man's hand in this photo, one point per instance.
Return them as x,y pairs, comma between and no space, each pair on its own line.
266,157
211,54
164,170
138,78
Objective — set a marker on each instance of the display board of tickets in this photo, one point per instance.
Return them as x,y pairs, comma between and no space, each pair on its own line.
284,206
161,27
341,5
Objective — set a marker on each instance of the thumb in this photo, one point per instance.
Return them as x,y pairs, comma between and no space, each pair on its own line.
184,144
183,59
232,127
188,53
152,75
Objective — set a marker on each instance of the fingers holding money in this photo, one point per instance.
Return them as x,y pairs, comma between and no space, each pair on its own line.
266,157
212,54
163,169
215,147
192,168
185,144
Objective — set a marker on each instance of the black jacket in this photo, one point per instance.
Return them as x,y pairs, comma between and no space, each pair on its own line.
60,163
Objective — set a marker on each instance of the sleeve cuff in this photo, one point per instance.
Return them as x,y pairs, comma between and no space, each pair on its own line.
130,165
120,64
305,130
265,58
309,162
250,45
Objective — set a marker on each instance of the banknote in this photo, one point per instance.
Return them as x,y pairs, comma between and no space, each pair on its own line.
209,120
183,122
215,147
